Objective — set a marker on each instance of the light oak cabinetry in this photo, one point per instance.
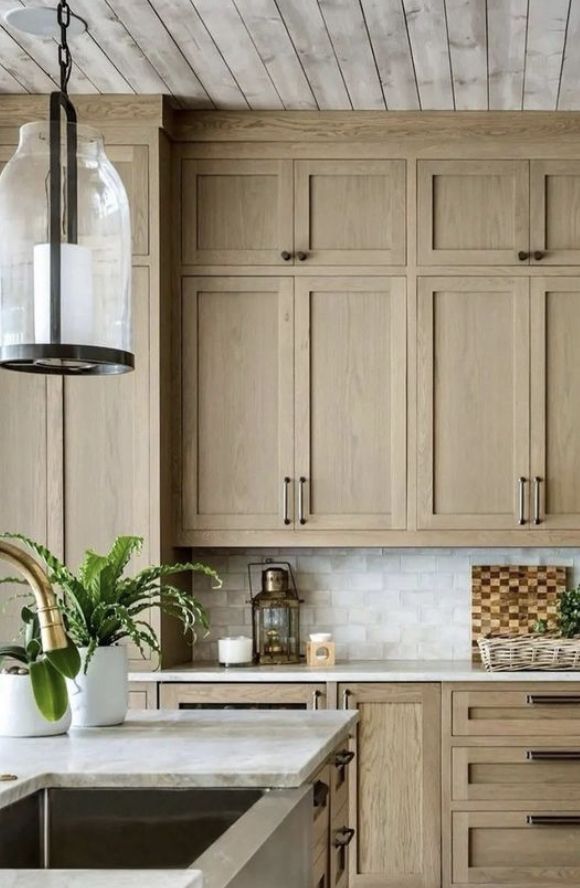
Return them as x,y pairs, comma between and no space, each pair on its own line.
395,791
350,402
498,212
237,397
280,428
242,696
473,402
511,785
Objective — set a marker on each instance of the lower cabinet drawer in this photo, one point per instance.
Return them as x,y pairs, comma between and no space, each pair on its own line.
339,779
341,836
533,711
321,802
320,872
524,773
516,848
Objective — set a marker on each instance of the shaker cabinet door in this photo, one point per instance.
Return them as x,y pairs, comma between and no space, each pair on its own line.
237,419
350,212
473,403
395,788
555,382
236,212
555,212
473,212
132,164
350,403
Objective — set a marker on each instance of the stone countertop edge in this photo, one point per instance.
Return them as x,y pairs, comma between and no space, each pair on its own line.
349,671
158,748
100,879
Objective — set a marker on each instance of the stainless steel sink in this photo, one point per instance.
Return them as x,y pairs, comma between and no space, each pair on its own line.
223,832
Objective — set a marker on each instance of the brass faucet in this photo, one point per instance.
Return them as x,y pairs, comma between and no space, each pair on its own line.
49,616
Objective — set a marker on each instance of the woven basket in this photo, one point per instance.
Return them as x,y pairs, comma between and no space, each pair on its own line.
515,653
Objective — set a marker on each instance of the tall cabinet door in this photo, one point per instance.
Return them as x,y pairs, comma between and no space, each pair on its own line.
350,402
555,382
395,789
237,403
555,212
473,212
473,403
350,212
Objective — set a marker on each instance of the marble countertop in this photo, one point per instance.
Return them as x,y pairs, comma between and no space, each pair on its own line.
353,670
167,749
178,748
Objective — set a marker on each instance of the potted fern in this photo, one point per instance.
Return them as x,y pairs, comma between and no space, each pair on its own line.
103,608
33,687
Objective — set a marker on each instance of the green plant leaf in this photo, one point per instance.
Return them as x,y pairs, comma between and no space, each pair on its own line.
13,652
49,688
67,661
121,553
17,580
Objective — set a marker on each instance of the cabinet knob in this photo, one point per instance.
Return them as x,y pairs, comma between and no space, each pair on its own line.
522,255
286,256
302,257
538,255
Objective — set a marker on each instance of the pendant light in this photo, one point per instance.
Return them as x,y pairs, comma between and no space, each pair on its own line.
65,246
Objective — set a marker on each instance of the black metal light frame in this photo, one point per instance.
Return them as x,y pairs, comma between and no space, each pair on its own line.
58,358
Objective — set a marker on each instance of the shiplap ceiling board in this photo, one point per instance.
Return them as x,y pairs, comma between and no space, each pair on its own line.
314,54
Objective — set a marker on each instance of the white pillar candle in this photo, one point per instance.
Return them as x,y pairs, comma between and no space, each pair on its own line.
235,651
76,288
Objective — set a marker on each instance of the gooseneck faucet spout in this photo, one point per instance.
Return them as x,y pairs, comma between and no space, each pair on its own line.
52,630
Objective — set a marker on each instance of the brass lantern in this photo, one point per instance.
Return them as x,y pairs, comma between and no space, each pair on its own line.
275,615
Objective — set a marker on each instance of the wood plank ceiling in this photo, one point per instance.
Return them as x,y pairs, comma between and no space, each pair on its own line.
315,54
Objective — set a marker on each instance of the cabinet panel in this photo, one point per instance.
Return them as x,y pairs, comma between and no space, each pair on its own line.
472,212
351,402
106,436
473,407
537,772
530,712
395,800
236,212
504,848
255,695
349,212
555,381
132,164
237,402
555,212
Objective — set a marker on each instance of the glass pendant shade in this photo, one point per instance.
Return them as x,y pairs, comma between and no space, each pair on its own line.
92,333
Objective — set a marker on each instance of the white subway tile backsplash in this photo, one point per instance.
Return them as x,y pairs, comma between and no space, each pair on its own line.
380,603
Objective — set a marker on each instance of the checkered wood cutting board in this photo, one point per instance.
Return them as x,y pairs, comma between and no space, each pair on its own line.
512,597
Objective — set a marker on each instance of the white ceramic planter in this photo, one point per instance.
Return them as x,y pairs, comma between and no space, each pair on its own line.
19,714
101,697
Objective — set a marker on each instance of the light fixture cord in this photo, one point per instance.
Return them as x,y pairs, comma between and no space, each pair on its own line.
64,57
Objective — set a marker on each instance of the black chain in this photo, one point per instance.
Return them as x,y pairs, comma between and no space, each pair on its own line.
64,57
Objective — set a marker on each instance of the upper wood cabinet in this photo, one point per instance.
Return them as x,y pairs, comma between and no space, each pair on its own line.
555,418
395,791
237,390
555,212
473,402
350,212
351,402
236,212
132,164
473,212
280,212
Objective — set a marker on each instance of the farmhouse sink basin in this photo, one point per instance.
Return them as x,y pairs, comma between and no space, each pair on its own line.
232,835
117,828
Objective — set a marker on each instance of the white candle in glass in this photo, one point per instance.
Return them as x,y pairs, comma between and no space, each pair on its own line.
235,651
76,288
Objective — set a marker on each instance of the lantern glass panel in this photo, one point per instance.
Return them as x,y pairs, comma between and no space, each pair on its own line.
95,272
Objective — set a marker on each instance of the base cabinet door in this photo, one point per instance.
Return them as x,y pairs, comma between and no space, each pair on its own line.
257,695
516,848
395,791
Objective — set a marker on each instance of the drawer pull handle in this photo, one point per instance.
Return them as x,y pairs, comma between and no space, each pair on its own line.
553,819
346,695
553,699
553,755
522,500
316,697
343,758
344,836
320,796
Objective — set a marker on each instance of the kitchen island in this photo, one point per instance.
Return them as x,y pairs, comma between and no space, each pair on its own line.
277,751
